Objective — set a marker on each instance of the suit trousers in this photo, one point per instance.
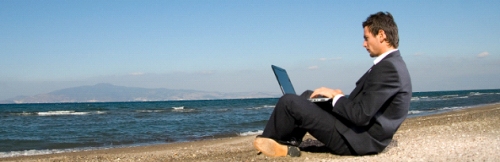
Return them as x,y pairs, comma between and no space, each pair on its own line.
294,115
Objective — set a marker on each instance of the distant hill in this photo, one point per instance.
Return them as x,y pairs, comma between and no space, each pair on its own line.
104,92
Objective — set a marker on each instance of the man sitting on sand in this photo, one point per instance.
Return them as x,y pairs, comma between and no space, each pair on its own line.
363,123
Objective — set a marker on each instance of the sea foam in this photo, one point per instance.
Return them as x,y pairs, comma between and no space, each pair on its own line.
251,133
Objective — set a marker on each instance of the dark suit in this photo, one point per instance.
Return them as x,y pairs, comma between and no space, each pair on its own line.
376,107
363,123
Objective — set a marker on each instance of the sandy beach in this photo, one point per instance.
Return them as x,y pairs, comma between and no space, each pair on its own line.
471,134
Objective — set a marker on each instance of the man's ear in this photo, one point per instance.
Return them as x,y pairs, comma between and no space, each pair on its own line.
381,36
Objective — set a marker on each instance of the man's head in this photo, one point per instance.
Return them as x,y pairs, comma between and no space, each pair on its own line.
380,33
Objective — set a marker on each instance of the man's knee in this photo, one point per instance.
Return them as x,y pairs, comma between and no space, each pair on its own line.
307,94
293,102
288,98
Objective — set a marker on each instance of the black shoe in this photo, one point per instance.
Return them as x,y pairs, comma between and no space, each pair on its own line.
292,142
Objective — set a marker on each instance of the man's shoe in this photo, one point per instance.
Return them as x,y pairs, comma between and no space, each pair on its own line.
272,148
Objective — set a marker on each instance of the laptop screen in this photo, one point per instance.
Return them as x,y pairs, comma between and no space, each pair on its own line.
283,80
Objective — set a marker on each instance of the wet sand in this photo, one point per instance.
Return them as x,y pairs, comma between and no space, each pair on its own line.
471,134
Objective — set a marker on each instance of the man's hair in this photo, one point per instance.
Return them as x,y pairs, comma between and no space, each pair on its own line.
383,21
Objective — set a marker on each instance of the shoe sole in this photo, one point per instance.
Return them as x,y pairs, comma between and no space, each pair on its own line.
270,147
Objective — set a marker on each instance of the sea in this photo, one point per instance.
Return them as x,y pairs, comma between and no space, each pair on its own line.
33,129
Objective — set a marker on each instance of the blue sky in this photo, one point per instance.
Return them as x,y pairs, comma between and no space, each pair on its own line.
228,46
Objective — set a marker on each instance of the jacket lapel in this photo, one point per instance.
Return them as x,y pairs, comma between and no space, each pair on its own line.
361,82
359,85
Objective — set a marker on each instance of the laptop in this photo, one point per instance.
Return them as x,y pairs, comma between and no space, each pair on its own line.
286,85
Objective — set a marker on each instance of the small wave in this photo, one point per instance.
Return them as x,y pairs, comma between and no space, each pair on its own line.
438,98
449,96
474,94
222,110
411,112
100,112
251,133
25,113
435,110
69,112
39,152
46,151
479,93
261,107
149,111
423,98
58,113
455,108
183,110
178,108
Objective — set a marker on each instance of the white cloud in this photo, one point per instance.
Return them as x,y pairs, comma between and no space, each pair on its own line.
483,54
313,67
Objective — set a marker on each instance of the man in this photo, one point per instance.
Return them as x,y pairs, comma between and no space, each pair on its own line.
362,123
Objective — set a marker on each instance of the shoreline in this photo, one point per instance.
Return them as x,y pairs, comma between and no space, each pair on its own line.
465,134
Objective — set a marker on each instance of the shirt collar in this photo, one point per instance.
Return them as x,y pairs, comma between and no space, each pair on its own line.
382,56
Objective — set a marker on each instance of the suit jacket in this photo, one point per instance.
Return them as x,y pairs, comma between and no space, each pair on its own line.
378,105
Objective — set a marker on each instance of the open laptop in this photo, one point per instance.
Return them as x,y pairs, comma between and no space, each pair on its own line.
286,85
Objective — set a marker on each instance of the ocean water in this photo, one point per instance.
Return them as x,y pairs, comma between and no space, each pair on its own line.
29,129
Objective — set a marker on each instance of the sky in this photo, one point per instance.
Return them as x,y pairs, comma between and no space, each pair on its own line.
229,46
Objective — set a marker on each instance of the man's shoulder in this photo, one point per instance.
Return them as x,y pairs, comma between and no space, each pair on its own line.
393,57
395,62
393,54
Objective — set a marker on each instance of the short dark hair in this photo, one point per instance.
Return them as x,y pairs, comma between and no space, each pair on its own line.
383,21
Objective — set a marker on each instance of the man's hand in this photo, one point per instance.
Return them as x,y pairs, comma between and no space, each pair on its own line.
326,92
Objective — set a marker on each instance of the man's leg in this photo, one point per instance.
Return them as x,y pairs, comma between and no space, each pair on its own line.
294,115
282,125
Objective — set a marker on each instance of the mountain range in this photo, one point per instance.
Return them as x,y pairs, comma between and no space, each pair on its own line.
105,92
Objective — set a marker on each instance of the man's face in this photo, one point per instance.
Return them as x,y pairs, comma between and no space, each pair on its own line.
371,43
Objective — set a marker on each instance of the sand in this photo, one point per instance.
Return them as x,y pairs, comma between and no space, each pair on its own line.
471,134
